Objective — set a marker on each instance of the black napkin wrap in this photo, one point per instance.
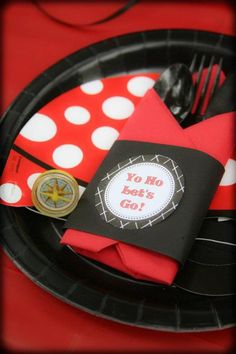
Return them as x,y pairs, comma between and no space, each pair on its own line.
185,182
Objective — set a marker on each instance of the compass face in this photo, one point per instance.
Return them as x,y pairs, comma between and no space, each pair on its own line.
55,193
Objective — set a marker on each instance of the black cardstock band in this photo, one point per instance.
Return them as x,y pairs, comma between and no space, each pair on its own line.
173,236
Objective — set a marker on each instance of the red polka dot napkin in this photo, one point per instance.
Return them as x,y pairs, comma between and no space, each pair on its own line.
73,132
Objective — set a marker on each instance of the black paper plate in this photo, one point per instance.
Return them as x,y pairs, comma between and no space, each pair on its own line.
32,240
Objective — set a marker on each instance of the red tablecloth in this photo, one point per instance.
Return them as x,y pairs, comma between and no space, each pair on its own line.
32,319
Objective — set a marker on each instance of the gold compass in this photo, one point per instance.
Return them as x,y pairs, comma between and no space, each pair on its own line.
55,193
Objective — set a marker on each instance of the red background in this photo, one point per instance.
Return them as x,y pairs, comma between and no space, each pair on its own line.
32,319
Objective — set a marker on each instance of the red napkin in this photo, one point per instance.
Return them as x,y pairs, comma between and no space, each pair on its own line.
76,118
152,122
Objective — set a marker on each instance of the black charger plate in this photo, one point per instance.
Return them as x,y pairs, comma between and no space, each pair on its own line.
32,240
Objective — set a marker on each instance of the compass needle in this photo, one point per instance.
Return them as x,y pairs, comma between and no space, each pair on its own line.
55,193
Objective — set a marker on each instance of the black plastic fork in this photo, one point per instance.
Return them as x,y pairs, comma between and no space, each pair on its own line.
201,99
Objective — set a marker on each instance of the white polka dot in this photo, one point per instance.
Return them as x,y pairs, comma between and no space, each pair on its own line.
67,156
10,193
39,128
31,179
77,115
104,137
92,87
229,177
117,107
138,86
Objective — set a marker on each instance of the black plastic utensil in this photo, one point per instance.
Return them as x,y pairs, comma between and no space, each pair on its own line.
175,88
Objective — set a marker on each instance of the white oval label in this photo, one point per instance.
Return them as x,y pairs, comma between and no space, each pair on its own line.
140,191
